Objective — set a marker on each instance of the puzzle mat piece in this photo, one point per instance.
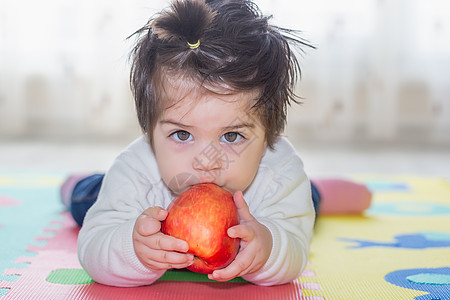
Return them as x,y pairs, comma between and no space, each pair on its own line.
62,247
79,276
422,188
69,277
419,240
387,186
364,268
358,273
430,278
31,180
58,252
26,214
8,201
59,256
435,282
22,194
425,196
328,290
411,208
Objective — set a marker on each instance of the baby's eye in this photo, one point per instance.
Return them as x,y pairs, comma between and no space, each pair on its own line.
181,136
231,137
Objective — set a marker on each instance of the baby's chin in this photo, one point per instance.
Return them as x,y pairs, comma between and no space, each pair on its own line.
184,181
181,182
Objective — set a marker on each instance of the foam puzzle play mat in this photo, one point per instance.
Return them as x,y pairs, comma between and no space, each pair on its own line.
399,249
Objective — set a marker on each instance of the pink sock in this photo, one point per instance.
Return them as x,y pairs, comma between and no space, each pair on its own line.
341,196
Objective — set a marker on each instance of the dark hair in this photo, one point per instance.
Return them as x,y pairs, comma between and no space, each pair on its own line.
238,48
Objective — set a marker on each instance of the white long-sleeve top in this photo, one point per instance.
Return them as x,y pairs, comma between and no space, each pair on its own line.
279,197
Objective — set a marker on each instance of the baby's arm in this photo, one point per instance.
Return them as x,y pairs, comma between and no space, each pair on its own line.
154,249
106,251
290,221
114,228
255,246
280,202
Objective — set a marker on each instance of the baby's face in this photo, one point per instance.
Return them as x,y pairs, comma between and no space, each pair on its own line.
207,137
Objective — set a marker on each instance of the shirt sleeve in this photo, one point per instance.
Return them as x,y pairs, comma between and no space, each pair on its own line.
105,245
281,200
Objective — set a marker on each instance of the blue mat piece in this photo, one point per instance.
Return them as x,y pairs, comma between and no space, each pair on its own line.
31,201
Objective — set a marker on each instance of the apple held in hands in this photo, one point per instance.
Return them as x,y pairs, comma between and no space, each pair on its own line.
201,216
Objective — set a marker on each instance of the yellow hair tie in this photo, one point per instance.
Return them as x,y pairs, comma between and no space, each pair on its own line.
194,46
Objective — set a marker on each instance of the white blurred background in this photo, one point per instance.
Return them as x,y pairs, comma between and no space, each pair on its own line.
377,89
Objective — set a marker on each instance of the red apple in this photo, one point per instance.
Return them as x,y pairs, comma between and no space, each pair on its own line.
201,216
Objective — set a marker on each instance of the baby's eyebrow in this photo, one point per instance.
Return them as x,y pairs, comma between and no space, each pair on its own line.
239,126
172,122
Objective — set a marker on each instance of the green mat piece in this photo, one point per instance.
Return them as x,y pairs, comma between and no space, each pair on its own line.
181,275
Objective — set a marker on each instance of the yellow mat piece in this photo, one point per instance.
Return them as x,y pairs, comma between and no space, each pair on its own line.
399,249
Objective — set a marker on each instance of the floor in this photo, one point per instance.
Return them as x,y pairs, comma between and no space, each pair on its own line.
319,158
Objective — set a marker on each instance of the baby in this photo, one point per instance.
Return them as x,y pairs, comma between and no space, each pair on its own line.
212,82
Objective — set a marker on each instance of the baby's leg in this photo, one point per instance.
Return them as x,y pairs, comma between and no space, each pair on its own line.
341,196
67,187
79,193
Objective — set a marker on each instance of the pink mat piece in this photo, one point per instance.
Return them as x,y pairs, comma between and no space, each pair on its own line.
59,253
7,201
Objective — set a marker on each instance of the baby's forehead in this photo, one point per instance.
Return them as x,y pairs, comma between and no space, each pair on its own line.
173,90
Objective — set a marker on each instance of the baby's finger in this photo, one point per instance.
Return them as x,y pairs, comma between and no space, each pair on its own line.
160,260
171,257
147,226
156,212
164,242
237,268
241,231
242,207
166,266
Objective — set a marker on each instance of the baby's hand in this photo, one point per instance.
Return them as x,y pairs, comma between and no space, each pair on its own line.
256,244
154,249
